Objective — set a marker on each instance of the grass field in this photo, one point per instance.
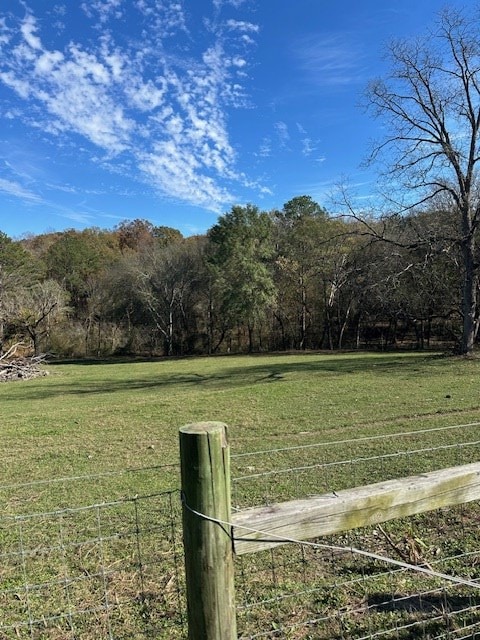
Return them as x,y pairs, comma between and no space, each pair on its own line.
110,432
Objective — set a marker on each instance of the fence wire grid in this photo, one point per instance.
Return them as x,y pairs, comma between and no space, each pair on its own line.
114,569
110,570
305,592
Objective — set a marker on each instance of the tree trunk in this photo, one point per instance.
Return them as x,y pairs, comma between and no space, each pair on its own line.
170,332
250,338
303,315
34,337
344,326
469,294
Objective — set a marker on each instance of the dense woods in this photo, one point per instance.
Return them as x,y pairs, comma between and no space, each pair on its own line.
293,279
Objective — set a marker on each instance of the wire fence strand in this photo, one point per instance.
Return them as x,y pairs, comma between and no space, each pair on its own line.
114,568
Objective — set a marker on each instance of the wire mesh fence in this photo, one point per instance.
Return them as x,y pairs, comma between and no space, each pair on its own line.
306,591
309,592
109,570
114,569
269,476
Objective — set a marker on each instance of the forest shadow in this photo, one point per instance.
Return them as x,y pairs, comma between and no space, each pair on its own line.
226,377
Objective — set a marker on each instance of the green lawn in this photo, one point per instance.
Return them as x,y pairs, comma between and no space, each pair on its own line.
88,418
95,433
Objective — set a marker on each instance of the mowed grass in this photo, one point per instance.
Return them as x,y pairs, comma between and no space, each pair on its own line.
106,434
106,417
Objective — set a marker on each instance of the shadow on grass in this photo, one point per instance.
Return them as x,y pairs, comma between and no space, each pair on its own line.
420,616
228,375
425,602
446,612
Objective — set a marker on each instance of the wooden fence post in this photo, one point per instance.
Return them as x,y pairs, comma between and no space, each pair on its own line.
205,471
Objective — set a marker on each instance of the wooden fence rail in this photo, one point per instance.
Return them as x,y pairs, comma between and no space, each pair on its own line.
353,508
209,551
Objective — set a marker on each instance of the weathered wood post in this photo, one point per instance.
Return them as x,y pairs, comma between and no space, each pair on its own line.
205,470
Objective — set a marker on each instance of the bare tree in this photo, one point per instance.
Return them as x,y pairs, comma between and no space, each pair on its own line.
35,309
430,103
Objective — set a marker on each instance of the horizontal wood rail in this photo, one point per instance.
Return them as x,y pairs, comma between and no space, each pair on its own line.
352,508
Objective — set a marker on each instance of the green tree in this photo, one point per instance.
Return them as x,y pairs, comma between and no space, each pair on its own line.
301,232
241,251
78,256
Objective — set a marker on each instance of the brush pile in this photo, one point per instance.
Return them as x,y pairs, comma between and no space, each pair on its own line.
20,368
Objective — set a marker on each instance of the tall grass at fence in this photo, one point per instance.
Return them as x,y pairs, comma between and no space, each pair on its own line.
107,434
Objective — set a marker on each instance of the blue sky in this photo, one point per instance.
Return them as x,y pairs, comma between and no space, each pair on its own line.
173,110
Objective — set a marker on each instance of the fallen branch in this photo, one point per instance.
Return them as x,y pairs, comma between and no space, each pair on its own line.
12,351
412,556
17,369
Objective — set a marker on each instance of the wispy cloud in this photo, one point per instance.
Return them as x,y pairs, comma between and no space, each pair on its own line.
283,135
334,60
218,4
308,145
141,103
166,18
242,25
265,150
15,189
103,9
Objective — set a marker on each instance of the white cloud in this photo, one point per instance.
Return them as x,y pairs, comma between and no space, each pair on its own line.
265,150
20,86
167,16
243,26
4,32
247,40
103,9
146,96
166,114
237,61
334,60
234,3
73,88
177,175
15,189
28,30
47,61
307,147
282,132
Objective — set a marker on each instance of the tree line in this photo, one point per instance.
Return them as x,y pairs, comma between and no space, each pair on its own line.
296,278
291,279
